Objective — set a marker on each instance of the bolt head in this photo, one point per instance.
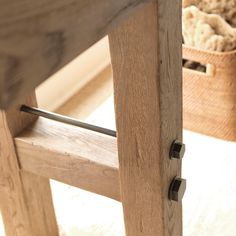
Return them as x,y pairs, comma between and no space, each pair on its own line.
177,150
177,189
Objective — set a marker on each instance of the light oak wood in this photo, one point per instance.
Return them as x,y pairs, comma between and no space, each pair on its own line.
209,99
146,60
71,155
25,198
37,38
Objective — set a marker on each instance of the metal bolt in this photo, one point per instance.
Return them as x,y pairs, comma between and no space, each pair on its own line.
177,189
177,150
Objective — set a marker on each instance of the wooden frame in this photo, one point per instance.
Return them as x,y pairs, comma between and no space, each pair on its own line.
51,35
71,155
25,198
147,70
147,75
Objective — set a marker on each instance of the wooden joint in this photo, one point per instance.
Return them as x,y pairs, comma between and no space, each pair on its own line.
71,155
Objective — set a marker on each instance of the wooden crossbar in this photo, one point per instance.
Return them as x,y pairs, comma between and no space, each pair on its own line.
37,38
71,155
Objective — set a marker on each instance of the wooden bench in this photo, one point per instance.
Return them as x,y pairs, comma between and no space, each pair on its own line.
37,38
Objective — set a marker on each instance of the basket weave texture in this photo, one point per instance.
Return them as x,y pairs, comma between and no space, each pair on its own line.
210,98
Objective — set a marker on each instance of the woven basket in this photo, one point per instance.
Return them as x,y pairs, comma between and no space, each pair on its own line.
210,98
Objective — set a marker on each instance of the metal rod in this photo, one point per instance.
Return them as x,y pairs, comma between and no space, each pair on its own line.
67,120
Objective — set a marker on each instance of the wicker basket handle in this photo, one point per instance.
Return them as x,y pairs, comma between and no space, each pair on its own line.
209,57
193,54
203,57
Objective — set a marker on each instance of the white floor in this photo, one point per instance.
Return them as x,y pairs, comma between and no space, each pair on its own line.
209,205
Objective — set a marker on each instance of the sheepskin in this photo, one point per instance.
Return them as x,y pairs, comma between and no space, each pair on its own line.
225,8
207,31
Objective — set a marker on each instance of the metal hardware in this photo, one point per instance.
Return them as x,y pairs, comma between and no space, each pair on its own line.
177,189
177,150
67,120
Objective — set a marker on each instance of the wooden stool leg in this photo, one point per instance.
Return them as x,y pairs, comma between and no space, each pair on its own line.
146,60
25,199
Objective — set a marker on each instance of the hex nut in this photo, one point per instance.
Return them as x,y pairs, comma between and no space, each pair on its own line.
177,150
177,189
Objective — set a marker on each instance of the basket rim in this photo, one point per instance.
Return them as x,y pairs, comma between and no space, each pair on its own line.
214,53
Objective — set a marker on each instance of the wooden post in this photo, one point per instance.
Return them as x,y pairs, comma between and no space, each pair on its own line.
25,199
146,60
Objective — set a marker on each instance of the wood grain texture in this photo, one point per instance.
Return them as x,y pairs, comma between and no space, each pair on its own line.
71,155
37,38
25,199
146,60
209,99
